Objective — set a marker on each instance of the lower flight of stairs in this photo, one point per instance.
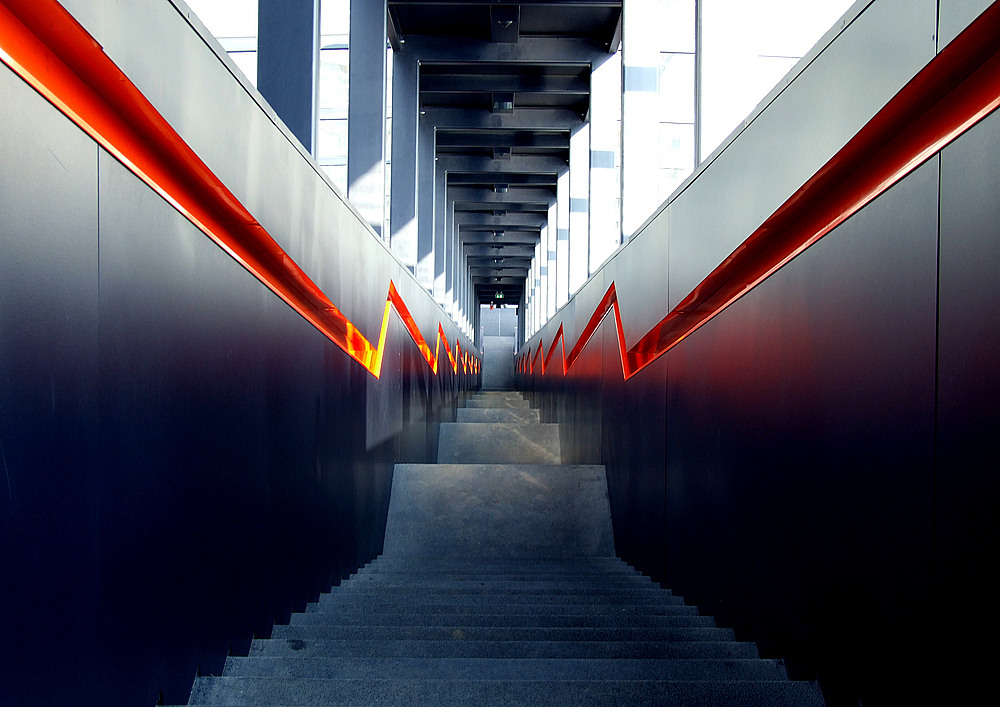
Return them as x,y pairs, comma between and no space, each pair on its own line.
499,586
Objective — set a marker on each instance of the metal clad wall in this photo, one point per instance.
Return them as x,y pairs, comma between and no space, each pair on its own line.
185,459
966,486
800,426
814,465
49,520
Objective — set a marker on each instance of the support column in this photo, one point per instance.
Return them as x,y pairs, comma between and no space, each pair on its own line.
426,225
536,284
445,235
579,208
543,275
403,238
553,274
288,63
640,120
605,160
562,239
366,111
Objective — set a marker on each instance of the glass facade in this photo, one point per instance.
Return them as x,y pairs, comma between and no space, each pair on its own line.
234,24
748,47
334,87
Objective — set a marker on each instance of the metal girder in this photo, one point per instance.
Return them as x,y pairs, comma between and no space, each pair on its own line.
521,119
488,179
484,138
516,163
492,262
498,281
488,195
514,82
511,220
546,50
506,238
505,23
536,3
508,206
498,272
502,251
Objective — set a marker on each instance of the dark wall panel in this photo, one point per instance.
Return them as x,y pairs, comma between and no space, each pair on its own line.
186,460
49,522
634,447
800,427
776,467
966,479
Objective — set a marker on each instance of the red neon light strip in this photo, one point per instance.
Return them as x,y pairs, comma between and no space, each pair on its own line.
54,54
956,90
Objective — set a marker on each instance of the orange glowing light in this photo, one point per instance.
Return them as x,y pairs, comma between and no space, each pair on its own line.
53,53
956,90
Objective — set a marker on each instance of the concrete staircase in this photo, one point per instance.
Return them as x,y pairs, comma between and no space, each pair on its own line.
498,585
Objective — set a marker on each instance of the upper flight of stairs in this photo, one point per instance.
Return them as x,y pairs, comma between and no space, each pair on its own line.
498,585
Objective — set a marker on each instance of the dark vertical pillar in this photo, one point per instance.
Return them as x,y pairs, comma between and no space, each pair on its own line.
425,206
287,62
366,111
403,215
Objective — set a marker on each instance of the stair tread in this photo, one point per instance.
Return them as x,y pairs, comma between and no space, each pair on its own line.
513,668
607,601
319,691
494,609
603,620
503,649
512,415
501,633
499,586
498,443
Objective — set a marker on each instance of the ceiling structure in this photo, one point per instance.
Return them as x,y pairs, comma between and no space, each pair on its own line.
497,61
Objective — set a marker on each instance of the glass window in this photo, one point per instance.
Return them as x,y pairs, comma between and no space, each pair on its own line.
676,88
334,81
676,156
335,17
747,48
227,18
676,146
234,24
677,22
247,63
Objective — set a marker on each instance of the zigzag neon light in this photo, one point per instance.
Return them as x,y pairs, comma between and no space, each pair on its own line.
956,90
49,49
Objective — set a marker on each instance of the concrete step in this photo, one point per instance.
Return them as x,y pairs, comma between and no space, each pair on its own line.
362,609
494,586
608,602
512,669
498,511
495,634
497,395
485,620
521,416
498,564
607,650
498,590
261,692
498,443
620,571
499,402
368,580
